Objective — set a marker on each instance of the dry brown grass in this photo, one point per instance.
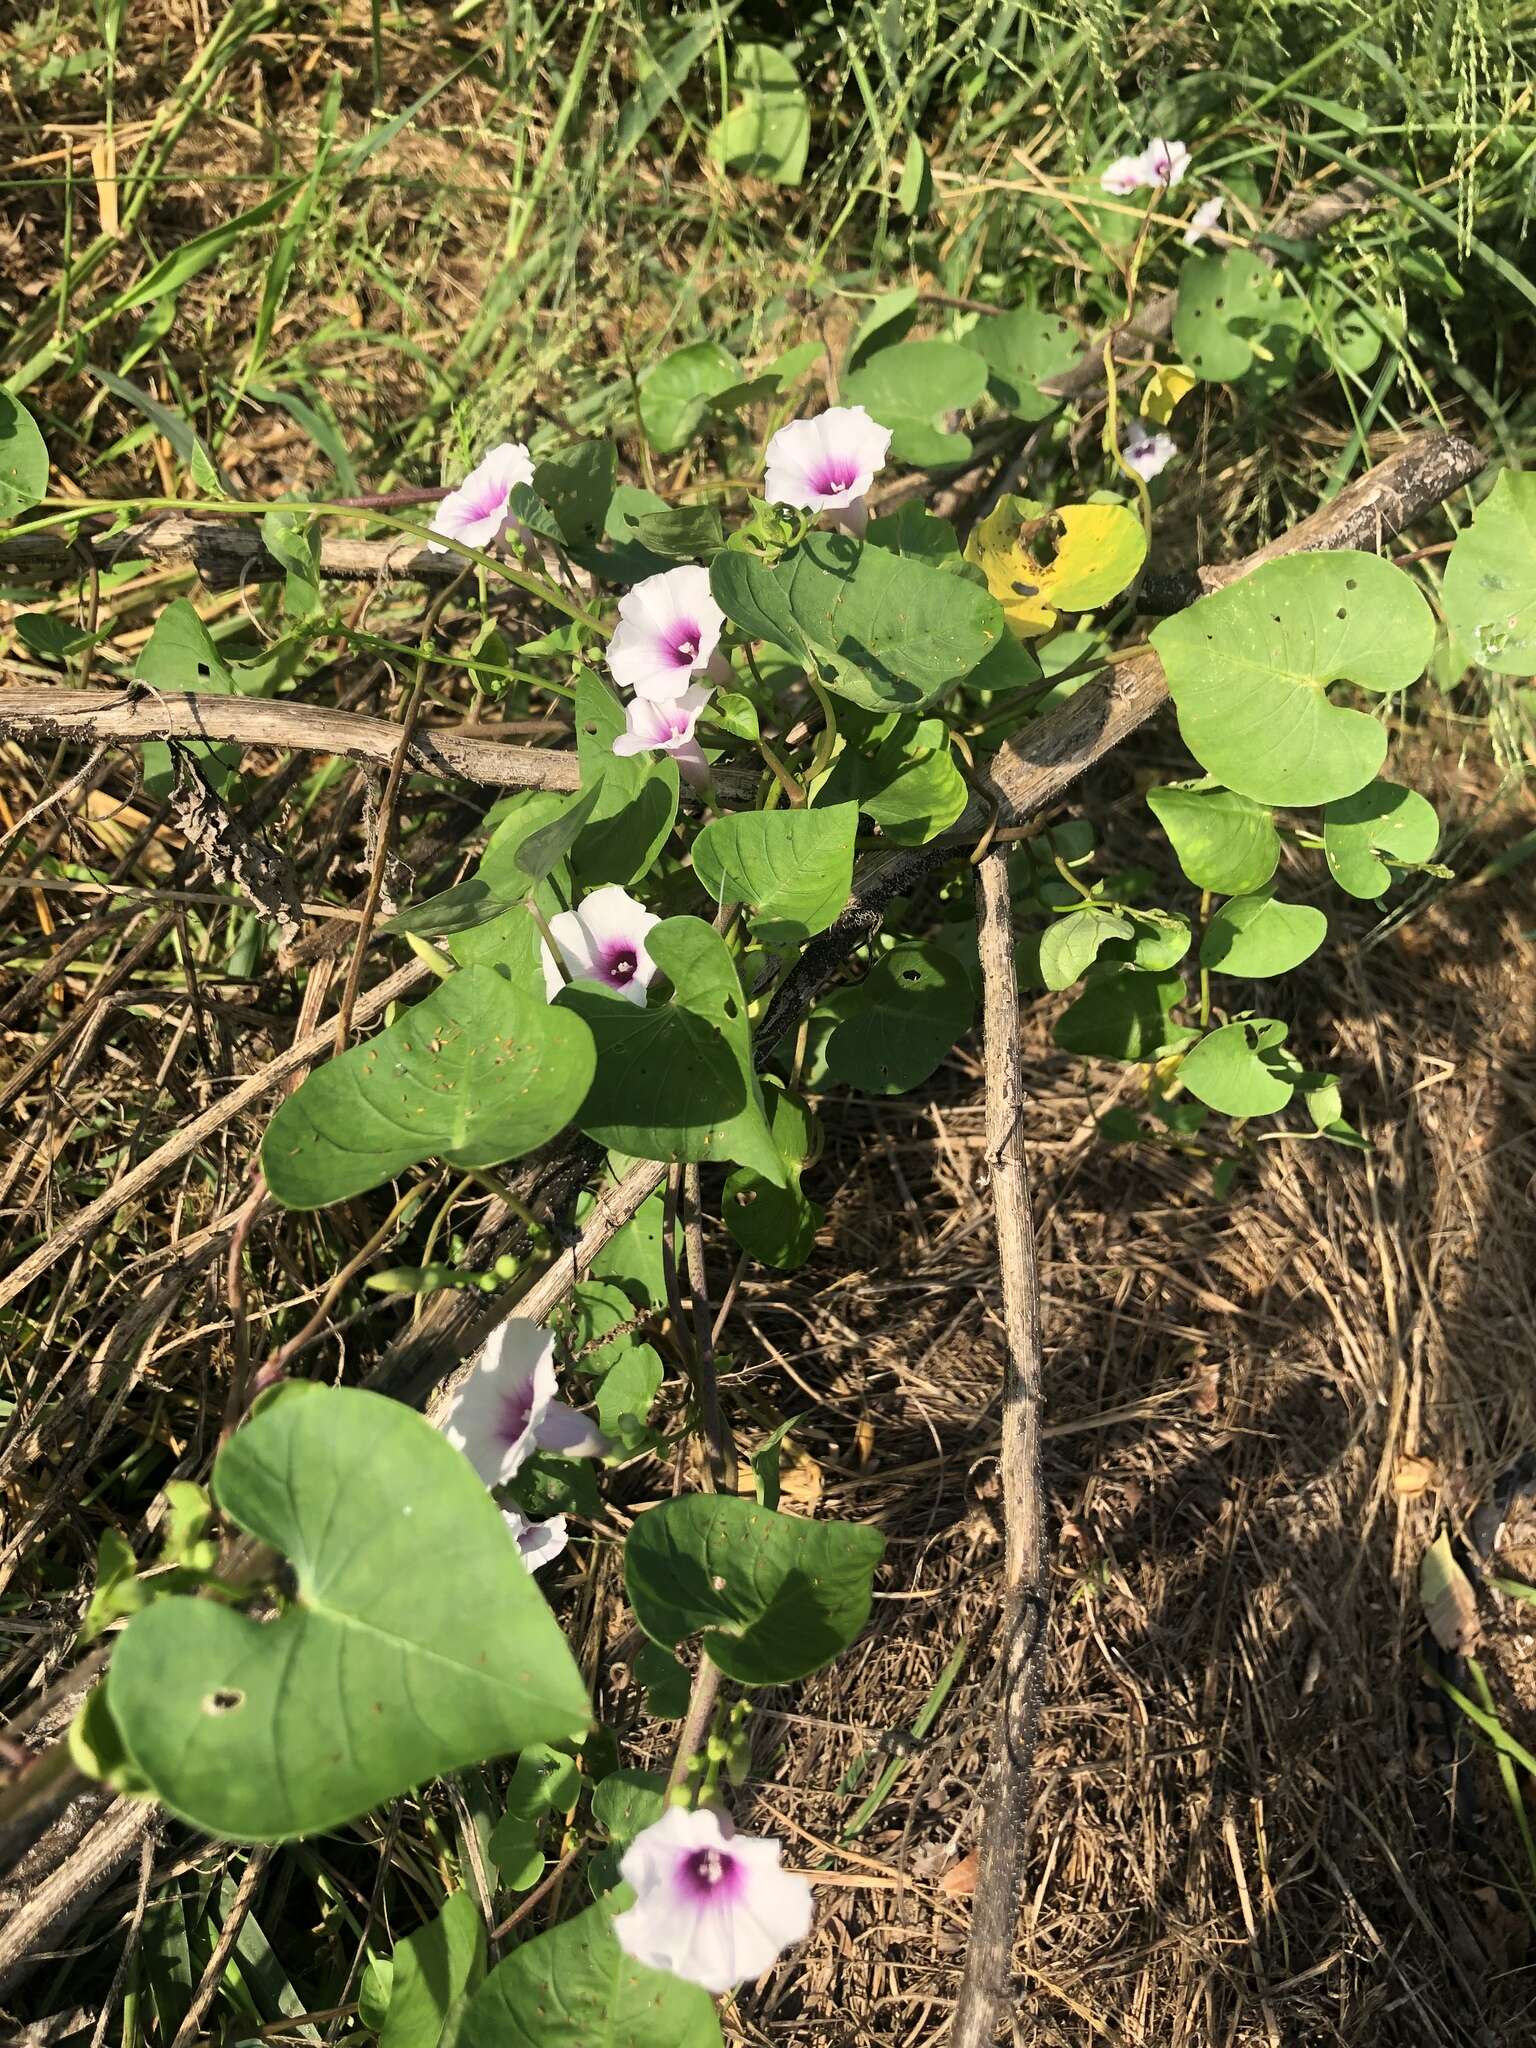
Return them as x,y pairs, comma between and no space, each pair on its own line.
1254,1821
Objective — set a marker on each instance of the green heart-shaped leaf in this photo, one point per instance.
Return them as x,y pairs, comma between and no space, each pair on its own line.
1382,818
894,633
23,459
675,1080
767,136
415,1643
1248,668
1224,842
574,1987
1490,580
1069,947
902,1019
1021,350
674,392
1123,1014
1242,1069
774,1596
793,869
911,388
477,1073
436,1969
1225,303
577,486
1256,937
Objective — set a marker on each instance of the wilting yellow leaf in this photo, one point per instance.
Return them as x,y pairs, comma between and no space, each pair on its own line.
1039,564
1447,1597
1169,385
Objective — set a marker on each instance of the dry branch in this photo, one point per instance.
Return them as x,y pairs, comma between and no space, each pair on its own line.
56,712
984,1986
227,555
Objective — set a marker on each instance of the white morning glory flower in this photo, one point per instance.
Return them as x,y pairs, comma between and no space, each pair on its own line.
476,513
669,627
1201,221
603,939
538,1543
1160,163
1164,162
1147,452
507,1409
667,727
827,464
1127,174
710,1905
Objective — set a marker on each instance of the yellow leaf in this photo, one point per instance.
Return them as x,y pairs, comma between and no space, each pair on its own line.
1169,385
1039,564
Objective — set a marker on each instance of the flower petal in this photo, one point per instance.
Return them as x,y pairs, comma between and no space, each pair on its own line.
562,1429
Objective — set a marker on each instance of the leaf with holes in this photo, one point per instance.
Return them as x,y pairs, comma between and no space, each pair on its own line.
1383,819
774,1597
1040,563
912,389
1256,937
1243,1069
893,634
1248,669
675,1080
793,869
1224,842
415,1641
574,1987
1489,591
23,459
180,654
1021,350
477,1073
900,1022
1225,303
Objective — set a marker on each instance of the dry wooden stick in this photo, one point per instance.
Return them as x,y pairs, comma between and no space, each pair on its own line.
985,1984
56,712
228,554
60,1899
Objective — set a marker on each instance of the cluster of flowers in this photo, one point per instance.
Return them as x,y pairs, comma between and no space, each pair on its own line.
710,1905
1160,166
667,637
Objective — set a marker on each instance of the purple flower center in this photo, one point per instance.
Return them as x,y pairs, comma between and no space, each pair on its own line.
619,962
710,1876
516,1408
491,498
836,473
682,643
